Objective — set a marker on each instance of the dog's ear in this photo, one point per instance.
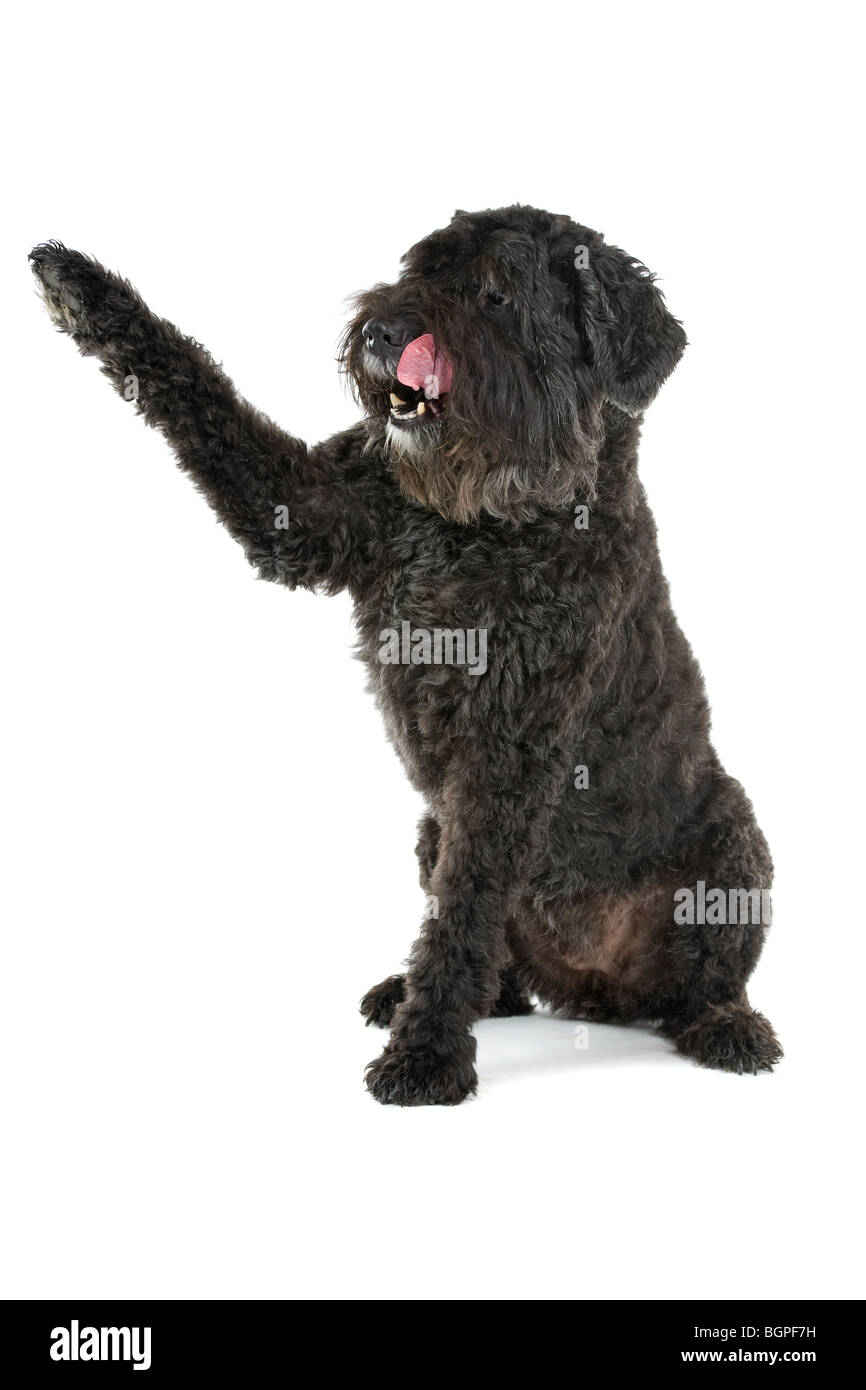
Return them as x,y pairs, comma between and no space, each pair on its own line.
634,340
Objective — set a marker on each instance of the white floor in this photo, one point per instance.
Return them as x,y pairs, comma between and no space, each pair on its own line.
175,1156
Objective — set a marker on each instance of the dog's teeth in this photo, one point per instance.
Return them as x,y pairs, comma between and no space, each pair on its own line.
400,414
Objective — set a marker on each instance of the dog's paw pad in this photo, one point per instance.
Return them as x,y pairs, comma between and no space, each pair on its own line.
54,269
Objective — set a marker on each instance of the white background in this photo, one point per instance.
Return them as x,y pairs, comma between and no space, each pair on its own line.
208,842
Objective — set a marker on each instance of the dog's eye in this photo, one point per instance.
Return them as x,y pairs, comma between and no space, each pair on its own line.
497,299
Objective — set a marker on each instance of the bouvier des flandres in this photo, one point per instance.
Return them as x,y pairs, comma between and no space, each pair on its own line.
582,843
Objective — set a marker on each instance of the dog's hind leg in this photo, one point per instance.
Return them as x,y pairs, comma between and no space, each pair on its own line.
379,1003
712,942
639,956
729,1037
514,999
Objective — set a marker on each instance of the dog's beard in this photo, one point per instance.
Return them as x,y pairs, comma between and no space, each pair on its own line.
437,472
461,476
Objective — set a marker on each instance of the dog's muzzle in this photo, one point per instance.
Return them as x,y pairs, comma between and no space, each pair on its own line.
423,374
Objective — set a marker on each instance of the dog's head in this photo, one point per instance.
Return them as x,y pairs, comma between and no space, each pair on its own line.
486,370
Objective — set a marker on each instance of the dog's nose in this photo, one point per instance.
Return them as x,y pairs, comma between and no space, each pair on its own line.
383,338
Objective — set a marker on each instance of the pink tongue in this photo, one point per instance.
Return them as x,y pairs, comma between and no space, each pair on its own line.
423,364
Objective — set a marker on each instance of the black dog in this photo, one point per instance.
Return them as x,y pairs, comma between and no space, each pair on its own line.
582,843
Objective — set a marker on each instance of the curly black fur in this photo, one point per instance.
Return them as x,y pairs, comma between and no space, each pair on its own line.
464,519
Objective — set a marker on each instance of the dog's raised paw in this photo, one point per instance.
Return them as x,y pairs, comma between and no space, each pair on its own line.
84,299
379,1003
54,268
405,1076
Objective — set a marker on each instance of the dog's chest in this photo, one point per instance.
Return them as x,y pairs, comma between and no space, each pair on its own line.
433,581
454,611
427,628
426,622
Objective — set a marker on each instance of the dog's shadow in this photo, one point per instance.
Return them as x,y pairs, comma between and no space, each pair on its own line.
511,1047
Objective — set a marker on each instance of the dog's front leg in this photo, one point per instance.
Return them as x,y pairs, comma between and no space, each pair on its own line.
497,813
308,516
